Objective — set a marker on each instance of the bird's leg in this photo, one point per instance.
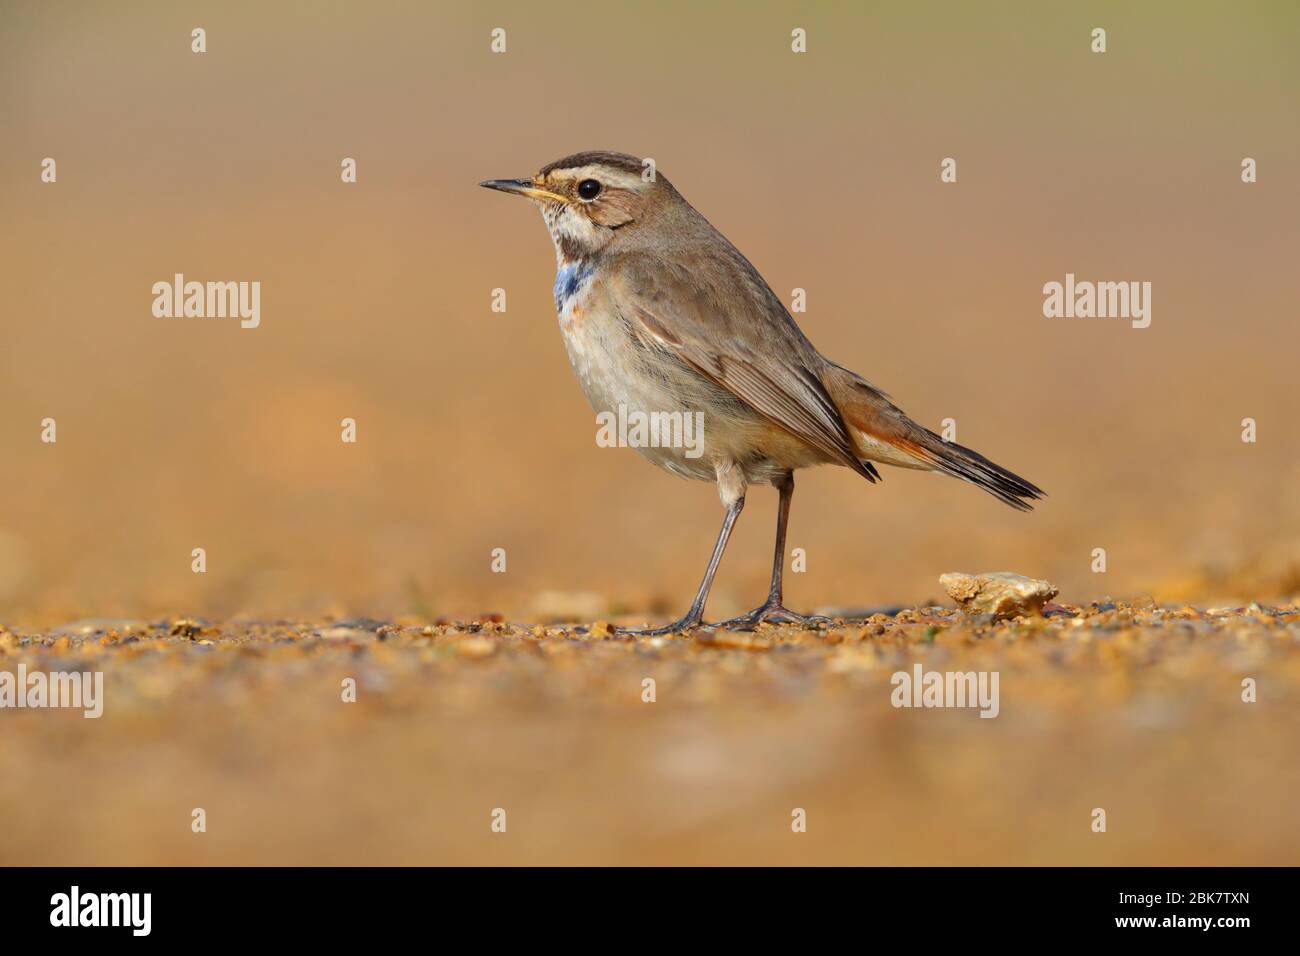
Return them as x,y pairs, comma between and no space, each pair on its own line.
785,488
695,615
772,609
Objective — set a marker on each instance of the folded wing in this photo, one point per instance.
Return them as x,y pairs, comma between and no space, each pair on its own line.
744,341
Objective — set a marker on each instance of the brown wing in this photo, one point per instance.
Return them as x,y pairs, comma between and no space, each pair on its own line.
714,312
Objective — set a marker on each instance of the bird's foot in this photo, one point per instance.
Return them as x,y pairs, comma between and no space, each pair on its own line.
685,624
774,612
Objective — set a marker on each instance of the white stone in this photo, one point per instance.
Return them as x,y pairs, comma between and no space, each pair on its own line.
1000,593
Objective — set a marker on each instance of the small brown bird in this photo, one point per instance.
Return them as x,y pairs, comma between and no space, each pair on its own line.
661,314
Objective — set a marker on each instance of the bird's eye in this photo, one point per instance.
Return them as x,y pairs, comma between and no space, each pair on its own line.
589,189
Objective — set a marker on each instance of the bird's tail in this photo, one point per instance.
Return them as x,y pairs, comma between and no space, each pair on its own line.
883,433
969,465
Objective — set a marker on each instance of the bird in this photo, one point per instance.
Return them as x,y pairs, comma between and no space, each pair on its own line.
660,312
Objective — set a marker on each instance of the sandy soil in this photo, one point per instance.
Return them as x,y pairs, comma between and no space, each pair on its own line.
1136,709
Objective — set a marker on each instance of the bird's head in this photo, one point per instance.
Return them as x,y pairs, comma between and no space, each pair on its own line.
590,200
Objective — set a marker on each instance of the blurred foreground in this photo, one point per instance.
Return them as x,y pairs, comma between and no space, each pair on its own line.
1134,709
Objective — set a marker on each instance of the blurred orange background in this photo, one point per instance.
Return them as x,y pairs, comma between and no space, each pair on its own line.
823,168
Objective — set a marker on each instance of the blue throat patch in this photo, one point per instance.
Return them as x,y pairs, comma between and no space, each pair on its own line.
569,278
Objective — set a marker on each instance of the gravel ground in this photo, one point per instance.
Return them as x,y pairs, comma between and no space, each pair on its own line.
1131,708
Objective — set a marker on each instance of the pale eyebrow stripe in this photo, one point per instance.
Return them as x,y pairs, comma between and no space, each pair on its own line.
610,177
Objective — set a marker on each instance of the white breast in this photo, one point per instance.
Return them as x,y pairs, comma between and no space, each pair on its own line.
609,364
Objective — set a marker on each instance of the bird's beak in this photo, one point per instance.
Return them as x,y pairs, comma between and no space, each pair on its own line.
523,187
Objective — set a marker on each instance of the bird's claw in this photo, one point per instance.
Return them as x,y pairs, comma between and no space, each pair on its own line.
684,625
773,613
